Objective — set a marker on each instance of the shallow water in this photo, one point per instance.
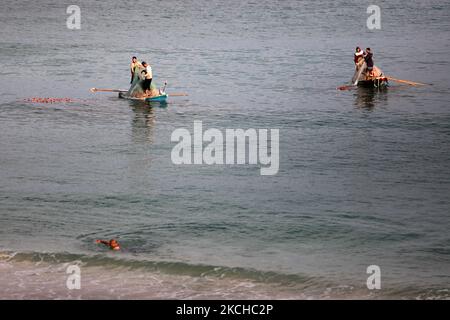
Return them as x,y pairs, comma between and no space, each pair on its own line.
364,176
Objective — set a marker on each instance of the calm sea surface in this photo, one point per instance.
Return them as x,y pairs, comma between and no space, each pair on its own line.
364,175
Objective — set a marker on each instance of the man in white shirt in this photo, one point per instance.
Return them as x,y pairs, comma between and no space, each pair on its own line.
358,57
148,74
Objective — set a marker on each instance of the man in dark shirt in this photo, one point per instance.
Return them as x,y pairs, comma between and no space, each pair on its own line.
368,57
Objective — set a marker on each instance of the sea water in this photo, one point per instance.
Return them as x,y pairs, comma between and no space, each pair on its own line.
363,179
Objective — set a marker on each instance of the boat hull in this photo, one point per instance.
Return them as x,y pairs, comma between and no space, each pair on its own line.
379,82
161,98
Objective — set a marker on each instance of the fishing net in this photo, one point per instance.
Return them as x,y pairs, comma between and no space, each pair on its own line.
361,67
360,73
137,88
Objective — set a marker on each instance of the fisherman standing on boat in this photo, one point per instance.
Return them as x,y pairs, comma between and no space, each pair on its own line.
148,77
358,56
368,57
134,63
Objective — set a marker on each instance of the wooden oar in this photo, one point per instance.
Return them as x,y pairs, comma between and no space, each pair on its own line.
106,90
346,87
412,83
177,94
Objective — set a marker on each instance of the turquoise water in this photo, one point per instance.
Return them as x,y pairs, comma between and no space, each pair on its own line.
364,176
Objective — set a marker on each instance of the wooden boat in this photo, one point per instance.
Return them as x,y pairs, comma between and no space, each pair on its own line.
376,82
160,98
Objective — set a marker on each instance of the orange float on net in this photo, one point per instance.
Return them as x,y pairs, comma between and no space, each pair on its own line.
48,100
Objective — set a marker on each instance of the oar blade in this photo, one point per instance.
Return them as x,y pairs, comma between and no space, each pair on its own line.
345,88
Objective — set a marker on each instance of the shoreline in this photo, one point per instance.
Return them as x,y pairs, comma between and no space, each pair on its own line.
40,278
